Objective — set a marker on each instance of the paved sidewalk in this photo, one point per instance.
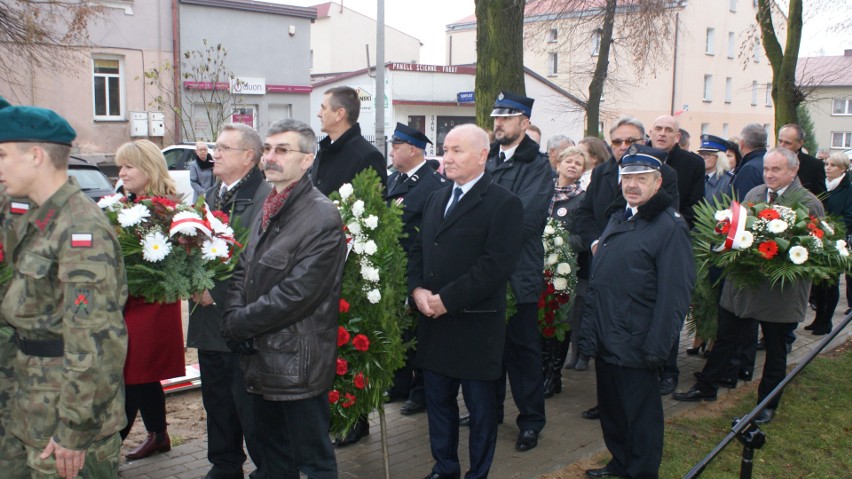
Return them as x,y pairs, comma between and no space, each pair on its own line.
566,439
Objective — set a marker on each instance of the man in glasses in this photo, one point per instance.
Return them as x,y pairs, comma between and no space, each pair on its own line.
603,196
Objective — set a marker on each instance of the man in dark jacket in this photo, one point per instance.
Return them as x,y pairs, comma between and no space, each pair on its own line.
749,171
344,152
811,170
239,192
665,135
639,292
282,309
409,187
459,265
515,164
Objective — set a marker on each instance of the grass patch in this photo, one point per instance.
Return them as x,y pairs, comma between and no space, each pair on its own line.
810,436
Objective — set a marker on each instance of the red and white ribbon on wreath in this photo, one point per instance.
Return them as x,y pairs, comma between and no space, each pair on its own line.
182,220
739,215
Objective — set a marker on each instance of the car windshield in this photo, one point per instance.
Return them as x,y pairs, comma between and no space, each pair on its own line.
90,179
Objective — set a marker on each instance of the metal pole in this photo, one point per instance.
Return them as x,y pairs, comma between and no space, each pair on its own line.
747,462
380,77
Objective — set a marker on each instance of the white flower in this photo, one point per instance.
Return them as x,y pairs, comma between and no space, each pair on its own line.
549,230
370,274
358,247
777,226
374,296
743,240
188,223
370,247
371,222
133,216
358,208
354,228
214,248
155,247
560,284
345,190
723,215
110,202
552,259
563,268
798,254
558,241
841,248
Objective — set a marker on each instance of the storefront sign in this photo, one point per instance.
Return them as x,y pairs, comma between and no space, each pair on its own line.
464,97
415,67
248,86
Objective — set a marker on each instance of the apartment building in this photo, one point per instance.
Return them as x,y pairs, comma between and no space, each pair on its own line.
827,82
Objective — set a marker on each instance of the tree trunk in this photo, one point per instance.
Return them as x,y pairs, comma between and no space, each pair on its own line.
593,109
499,53
785,94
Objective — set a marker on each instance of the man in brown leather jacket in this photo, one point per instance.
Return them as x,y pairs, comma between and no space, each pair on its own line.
283,306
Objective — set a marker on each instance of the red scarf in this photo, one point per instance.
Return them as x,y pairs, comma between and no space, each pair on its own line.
273,203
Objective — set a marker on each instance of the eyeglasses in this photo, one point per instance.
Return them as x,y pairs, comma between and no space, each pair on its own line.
226,148
280,150
629,141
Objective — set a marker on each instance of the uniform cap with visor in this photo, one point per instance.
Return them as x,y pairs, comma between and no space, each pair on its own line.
510,104
642,159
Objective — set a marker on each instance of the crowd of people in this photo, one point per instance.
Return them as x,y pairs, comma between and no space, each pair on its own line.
80,359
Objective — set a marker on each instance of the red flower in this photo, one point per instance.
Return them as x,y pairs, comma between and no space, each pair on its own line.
549,317
769,214
723,227
2,253
812,227
541,301
548,331
550,288
360,381
563,298
342,366
350,400
768,249
361,342
222,216
333,396
342,336
548,273
553,304
343,307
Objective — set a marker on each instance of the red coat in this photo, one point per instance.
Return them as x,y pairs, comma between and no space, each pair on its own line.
155,341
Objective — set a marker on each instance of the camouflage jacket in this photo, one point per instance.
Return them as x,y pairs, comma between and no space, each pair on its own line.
69,284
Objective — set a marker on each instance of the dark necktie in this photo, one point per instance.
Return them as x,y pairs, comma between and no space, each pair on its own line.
773,195
628,213
501,158
400,180
457,192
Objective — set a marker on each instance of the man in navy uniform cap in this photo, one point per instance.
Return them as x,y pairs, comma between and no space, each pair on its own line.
640,286
412,183
515,164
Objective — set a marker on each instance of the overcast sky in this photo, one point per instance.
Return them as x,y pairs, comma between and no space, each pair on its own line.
427,21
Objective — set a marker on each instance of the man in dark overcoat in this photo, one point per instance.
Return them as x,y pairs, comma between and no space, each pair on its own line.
458,271
640,286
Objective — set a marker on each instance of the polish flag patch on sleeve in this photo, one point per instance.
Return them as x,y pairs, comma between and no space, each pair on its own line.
18,208
81,240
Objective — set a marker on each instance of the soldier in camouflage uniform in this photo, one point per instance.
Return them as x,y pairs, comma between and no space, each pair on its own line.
65,303
13,459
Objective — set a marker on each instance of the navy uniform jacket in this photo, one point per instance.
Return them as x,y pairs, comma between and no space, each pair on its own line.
467,259
748,173
811,173
337,163
690,180
640,287
411,195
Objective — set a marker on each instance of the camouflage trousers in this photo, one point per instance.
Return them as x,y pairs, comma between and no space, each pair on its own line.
13,457
101,461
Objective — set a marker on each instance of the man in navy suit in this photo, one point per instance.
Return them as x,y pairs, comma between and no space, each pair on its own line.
458,270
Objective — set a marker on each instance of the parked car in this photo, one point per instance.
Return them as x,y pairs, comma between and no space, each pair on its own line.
91,179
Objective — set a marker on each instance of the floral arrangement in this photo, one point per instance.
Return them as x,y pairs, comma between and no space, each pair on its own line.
775,242
560,280
171,250
372,315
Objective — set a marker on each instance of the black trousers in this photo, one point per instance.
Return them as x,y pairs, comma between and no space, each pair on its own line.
150,400
775,365
670,369
631,412
230,414
522,364
826,297
294,437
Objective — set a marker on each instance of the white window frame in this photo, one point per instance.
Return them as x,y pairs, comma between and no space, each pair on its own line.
757,52
729,89
768,100
847,110
705,128
733,7
596,42
552,35
708,88
552,64
122,111
754,93
732,44
709,42
845,139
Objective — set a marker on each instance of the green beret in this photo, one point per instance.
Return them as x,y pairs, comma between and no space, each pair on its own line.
19,124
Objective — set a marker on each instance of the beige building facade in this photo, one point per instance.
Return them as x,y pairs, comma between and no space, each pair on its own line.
710,75
827,81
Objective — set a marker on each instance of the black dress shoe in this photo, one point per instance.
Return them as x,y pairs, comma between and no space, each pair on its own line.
527,440
729,383
359,430
820,332
435,475
667,386
592,414
809,327
410,407
695,394
602,472
765,416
